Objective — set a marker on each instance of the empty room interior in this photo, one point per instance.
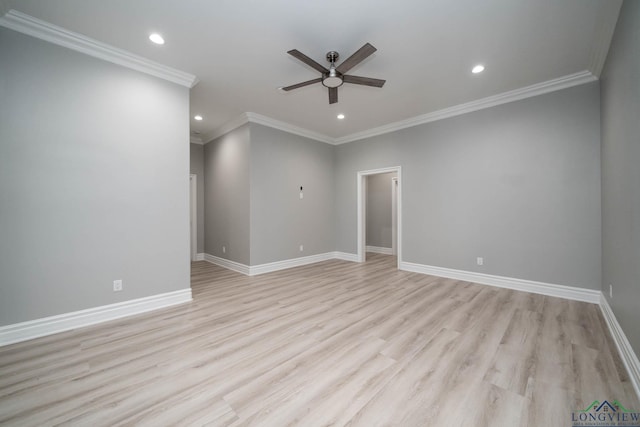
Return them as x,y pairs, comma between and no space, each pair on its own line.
338,213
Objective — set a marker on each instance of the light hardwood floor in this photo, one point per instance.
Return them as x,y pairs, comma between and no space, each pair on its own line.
331,344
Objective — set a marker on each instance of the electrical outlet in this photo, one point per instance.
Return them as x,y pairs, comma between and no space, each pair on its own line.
301,248
117,285
224,249
480,260
610,291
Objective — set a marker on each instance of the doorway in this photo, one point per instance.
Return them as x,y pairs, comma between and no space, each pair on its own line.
193,215
396,194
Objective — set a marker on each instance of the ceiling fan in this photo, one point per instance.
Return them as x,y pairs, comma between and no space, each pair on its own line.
333,77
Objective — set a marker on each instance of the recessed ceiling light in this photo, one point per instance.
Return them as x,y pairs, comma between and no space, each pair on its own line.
198,117
340,116
156,38
477,69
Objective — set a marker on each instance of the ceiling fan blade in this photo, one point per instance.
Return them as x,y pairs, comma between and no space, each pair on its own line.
360,55
307,83
333,95
310,62
367,81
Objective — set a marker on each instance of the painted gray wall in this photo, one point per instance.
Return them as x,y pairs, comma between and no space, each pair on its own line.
620,91
226,186
94,168
280,221
196,163
518,184
378,210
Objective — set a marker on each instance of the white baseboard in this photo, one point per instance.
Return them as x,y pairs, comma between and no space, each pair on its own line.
289,263
625,350
52,325
200,257
253,270
346,256
379,250
560,291
228,264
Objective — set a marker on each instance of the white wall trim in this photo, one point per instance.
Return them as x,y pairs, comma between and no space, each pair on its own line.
228,264
54,324
559,83
34,27
269,122
277,265
480,104
625,350
604,34
4,7
345,256
196,140
289,263
226,128
379,250
560,291
200,256
296,130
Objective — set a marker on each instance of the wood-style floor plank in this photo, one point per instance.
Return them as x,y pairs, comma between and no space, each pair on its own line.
329,344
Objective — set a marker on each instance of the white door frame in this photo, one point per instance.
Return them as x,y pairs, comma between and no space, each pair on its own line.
193,215
394,215
361,195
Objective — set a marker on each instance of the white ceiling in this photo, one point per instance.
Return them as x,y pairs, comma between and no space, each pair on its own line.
426,49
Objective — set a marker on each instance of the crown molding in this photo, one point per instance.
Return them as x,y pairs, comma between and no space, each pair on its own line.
604,35
34,27
480,104
196,140
277,124
4,7
269,122
226,128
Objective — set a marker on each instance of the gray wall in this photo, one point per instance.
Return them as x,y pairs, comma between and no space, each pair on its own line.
280,221
518,184
226,200
94,167
197,168
620,90
378,210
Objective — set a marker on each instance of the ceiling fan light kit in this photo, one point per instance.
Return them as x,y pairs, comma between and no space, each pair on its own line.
334,77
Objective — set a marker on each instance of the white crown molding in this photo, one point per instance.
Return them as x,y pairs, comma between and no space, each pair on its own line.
54,324
379,250
228,264
560,291
34,27
286,127
604,34
4,7
226,128
628,356
269,122
196,140
480,104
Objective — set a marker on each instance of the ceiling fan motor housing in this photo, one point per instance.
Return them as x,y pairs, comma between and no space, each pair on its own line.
332,78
